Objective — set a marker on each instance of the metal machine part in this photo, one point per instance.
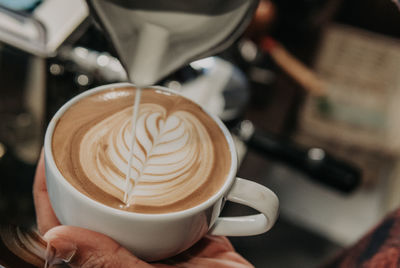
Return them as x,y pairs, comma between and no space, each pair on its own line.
315,162
42,31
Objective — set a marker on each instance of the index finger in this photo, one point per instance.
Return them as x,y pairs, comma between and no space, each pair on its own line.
45,216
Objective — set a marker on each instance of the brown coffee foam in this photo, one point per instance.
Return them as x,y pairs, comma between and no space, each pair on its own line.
89,111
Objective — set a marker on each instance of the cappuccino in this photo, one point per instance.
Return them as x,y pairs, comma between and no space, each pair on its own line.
180,155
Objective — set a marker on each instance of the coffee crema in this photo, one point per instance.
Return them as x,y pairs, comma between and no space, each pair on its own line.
180,158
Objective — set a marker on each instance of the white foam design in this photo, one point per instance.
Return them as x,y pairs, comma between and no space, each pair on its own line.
173,155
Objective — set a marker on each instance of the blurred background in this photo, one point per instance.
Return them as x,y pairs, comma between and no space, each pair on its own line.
310,92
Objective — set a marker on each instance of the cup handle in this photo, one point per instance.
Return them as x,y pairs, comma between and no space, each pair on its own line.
255,196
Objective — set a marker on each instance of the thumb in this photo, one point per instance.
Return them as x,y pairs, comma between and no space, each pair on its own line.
84,248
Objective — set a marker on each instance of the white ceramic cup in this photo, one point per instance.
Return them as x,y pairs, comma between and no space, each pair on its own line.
158,236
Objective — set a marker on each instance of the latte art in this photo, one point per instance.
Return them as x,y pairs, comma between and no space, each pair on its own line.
173,155
180,155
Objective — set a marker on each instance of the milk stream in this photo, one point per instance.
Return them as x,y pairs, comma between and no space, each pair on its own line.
136,110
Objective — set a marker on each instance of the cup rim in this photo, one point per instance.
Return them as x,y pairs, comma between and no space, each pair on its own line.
50,163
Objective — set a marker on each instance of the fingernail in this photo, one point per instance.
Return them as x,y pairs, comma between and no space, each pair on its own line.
59,251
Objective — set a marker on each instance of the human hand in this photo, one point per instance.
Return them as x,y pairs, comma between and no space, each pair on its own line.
84,248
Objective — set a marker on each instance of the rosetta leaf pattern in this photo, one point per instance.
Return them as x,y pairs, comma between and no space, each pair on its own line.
172,155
